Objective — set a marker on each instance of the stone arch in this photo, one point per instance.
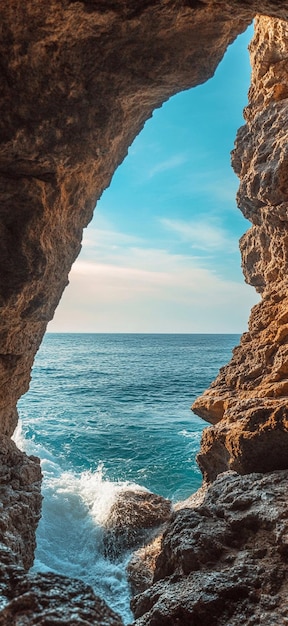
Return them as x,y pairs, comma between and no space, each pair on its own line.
79,79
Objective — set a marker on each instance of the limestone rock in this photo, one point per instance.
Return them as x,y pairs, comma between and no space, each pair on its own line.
78,80
247,402
141,566
132,518
256,440
20,503
35,599
224,562
51,600
89,74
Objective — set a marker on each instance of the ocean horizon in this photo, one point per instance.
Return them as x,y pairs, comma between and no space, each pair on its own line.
83,332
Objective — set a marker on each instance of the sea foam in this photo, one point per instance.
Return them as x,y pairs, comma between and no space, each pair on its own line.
70,532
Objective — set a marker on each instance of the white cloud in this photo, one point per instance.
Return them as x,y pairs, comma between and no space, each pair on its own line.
142,289
95,238
168,164
201,234
116,273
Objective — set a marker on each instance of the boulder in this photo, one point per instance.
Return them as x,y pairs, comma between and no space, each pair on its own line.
223,562
132,520
52,600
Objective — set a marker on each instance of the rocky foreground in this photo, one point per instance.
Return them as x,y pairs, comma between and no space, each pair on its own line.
51,600
223,560
28,599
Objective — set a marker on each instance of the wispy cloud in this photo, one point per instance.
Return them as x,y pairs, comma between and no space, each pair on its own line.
201,234
108,298
106,244
145,289
126,274
168,164
97,238
111,248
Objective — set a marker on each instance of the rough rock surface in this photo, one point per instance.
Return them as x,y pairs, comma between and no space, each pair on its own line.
35,599
247,403
20,503
132,518
224,562
141,567
51,600
78,80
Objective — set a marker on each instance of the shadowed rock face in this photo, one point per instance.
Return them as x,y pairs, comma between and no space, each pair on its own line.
223,562
20,504
51,600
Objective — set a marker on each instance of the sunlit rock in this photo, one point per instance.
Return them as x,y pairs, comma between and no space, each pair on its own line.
78,81
141,566
247,403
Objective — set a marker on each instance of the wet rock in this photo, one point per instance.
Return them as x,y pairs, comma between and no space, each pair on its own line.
132,518
224,562
141,566
52,600
20,503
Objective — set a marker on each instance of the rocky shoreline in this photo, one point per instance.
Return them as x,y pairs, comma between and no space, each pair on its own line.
78,81
223,561
221,556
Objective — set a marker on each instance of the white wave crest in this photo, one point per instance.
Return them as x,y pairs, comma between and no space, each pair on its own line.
70,532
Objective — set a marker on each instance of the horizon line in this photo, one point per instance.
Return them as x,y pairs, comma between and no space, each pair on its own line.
80,332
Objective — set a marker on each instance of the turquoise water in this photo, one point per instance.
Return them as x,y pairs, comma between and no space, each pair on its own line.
105,412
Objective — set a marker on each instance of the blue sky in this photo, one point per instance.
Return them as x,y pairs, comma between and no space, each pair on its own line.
161,253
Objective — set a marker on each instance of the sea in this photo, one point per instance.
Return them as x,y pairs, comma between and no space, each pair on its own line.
105,412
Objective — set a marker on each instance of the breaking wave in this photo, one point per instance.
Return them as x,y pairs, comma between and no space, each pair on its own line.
70,532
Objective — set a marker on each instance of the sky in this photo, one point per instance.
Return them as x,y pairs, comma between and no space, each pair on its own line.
161,253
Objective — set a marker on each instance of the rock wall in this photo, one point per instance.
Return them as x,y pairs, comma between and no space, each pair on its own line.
51,600
248,401
20,504
78,80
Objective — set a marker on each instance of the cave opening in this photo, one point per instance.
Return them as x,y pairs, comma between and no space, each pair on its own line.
163,242
142,257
